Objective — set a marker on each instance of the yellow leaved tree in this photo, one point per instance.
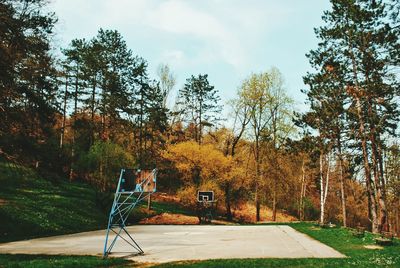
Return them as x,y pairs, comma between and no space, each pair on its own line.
200,167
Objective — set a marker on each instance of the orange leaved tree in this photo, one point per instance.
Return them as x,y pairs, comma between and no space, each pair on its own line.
200,167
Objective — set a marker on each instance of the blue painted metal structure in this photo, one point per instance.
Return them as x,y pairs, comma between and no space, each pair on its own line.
130,191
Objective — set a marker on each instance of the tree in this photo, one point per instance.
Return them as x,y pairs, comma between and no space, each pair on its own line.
103,161
357,44
28,91
74,66
327,99
233,183
116,88
199,103
167,82
242,118
153,121
255,94
392,174
200,167
279,130
108,76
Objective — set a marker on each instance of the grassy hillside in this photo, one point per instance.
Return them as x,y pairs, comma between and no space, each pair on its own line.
31,206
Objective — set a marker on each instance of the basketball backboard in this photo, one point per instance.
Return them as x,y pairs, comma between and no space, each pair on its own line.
136,180
205,196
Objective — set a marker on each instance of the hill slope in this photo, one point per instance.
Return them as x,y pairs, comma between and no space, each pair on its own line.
31,206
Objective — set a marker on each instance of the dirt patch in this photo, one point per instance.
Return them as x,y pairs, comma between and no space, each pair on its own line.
178,219
373,247
164,197
145,264
222,222
3,202
247,213
167,218
242,213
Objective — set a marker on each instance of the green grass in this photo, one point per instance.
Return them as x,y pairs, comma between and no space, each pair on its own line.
339,238
39,261
32,206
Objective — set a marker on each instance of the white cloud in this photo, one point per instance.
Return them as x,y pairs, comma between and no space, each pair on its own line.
180,18
175,58
226,31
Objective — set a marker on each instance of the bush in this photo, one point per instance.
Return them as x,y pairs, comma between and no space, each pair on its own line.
102,164
310,212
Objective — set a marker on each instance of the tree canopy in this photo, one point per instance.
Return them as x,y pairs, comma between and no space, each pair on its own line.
94,108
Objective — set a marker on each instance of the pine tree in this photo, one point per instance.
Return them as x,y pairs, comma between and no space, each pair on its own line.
199,103
28,91
354,56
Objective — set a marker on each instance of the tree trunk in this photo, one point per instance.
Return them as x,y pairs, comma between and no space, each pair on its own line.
302,193
64,113
257,198
257,202
228,202
274,203
141,130
342,191
71,170
258,207
367,171
341,178
324,186
303,199
378,184
93,100
200,123
372,207
380,157
274,117
102,178
322,204
149,203
397,219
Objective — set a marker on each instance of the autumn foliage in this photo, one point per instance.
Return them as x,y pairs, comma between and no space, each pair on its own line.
94,109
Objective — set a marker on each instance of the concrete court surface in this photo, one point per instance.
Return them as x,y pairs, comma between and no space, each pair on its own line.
165,243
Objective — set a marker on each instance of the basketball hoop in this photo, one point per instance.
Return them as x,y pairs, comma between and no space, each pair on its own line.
205,196
207,206
133,186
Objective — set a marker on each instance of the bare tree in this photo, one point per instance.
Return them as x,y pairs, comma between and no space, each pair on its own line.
167,81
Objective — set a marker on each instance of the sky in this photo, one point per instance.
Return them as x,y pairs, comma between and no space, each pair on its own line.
226,39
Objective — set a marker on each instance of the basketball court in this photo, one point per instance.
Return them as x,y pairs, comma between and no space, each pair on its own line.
165,243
